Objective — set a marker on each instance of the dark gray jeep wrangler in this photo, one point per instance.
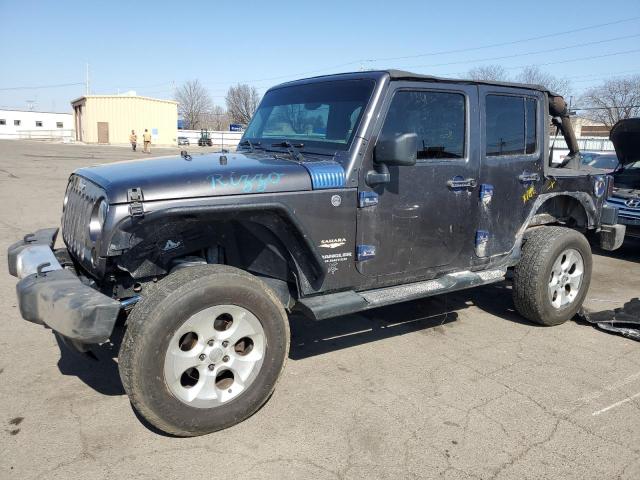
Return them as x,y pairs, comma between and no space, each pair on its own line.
347,192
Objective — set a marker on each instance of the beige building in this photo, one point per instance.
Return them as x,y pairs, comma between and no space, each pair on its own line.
584,127
110,119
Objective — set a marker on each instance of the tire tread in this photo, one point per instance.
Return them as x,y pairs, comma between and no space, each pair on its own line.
139,318
536,252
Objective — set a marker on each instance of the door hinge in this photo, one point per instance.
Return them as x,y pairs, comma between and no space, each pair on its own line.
135,199
367,199
482,242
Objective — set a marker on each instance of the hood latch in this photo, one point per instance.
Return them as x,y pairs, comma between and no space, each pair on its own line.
135,199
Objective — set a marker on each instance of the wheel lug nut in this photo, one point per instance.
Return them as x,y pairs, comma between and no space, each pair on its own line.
225,358
202,356
225,343
210,343
212,366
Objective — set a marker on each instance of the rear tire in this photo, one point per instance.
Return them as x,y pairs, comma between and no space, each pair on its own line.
180,362
552,278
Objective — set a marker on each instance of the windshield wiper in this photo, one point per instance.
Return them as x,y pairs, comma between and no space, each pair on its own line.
292,149
252,146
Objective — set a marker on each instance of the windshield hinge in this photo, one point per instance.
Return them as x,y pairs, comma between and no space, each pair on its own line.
135,199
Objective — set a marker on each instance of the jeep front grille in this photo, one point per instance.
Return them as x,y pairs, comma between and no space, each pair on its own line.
81,197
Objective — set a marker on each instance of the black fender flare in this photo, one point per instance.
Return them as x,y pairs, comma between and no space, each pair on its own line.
584,199
275,217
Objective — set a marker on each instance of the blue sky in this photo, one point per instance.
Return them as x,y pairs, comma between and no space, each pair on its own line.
152,46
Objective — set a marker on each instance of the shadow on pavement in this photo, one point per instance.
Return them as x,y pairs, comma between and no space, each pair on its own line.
310,338
629,251
98,369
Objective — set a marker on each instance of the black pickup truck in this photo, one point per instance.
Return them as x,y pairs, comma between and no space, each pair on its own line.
347,192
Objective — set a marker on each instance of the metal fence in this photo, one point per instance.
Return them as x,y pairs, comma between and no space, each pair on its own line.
599,144
220,139
594,144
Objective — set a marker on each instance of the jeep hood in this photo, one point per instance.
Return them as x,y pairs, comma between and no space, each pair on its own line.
625,136
203,175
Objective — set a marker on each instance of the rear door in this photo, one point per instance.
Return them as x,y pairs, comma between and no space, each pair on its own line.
423,221
511,171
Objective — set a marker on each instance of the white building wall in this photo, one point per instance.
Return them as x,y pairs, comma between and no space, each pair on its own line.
21,124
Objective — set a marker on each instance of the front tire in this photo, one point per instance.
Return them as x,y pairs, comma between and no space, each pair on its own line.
552,278
203,349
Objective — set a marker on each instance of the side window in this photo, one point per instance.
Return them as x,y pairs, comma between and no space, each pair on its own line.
438,118
38,123
510,124
3,121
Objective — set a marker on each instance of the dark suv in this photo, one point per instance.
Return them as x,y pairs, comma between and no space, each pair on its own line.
347,192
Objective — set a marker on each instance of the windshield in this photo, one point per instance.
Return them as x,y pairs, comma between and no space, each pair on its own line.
604,161
632,166
322,114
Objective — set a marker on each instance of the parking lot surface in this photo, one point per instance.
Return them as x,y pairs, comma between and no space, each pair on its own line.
456,386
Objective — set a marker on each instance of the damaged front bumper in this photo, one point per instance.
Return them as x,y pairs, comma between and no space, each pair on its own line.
50,295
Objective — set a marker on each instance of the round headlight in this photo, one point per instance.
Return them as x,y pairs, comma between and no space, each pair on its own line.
98,217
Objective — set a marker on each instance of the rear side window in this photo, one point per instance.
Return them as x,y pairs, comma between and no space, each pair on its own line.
510,124
438,118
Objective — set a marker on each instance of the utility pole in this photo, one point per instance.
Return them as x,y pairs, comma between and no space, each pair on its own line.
87,79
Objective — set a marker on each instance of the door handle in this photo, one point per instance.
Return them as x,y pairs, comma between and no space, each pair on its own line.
459,183
528,177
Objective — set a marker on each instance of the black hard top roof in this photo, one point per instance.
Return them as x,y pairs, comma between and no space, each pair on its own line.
402,75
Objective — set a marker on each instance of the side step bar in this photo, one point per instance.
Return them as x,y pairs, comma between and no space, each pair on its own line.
342,303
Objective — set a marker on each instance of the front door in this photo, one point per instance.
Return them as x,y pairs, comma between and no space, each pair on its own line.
103,132
425,218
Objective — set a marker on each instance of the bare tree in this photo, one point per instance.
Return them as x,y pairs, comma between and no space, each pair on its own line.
488,72
534,75
613,100
193,103
242,101
216,119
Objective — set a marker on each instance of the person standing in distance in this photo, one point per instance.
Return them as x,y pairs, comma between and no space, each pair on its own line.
133,138
146,137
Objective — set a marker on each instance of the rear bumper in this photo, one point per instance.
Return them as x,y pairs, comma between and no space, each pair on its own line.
611,233
611,236
52,296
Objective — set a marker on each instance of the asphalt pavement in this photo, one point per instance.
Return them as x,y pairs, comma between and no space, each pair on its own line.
456,387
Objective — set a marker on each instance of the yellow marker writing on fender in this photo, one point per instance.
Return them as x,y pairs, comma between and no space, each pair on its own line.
528,194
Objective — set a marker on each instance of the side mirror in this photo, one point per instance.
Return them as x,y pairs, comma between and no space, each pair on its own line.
399,149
